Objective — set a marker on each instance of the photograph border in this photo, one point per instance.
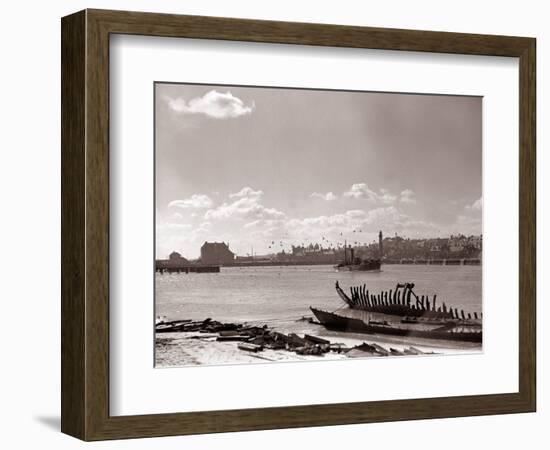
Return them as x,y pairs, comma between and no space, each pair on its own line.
85,224
248,86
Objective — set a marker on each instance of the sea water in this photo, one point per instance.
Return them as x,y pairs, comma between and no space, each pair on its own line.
281,296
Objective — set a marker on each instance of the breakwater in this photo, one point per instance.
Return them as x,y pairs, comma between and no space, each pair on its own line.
187,269
436,262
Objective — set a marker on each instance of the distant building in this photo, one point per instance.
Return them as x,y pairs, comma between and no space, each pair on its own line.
176,257
216,253
244,259
476,241
175,260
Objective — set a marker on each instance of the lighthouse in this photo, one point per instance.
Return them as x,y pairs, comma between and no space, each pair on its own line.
380,245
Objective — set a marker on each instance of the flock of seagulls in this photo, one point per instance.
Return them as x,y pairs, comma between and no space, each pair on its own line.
324,240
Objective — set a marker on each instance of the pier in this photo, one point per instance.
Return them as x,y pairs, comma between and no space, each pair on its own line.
186,269
436,262
178,264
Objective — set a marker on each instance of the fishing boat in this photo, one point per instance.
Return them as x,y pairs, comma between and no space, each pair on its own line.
354,263
452,330
362,265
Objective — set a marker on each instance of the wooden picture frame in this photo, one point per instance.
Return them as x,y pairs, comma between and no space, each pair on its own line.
85,224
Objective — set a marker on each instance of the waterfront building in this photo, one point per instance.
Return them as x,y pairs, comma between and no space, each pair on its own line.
175,260
176,257
216,253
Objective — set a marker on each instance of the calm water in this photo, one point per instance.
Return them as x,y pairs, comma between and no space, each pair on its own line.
279,294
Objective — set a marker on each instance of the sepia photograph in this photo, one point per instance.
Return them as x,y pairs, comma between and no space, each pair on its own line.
297,224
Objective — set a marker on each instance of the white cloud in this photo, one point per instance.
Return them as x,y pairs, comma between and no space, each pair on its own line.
329,196
244,220
247,206
265,223
244,209
247,192
386,197
357,225
407,196
362,191
196,201
359,190
355,219
214,104
254,224
476,206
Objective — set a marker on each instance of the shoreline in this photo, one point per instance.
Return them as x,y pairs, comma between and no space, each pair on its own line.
214,343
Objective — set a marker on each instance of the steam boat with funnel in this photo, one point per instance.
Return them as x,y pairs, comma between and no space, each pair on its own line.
354,263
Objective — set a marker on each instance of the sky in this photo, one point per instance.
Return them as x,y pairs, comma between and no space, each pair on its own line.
266,168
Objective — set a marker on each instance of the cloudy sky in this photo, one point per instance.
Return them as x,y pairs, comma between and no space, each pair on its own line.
266,168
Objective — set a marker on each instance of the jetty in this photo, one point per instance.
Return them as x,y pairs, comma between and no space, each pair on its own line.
435,262
186,269
178,264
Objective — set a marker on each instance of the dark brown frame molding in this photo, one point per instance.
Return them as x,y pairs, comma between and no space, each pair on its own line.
85,224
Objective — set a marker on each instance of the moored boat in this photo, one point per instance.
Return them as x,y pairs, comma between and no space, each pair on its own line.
353,263
360,265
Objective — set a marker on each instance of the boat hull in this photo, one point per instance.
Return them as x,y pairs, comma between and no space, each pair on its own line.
336,322
365,266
